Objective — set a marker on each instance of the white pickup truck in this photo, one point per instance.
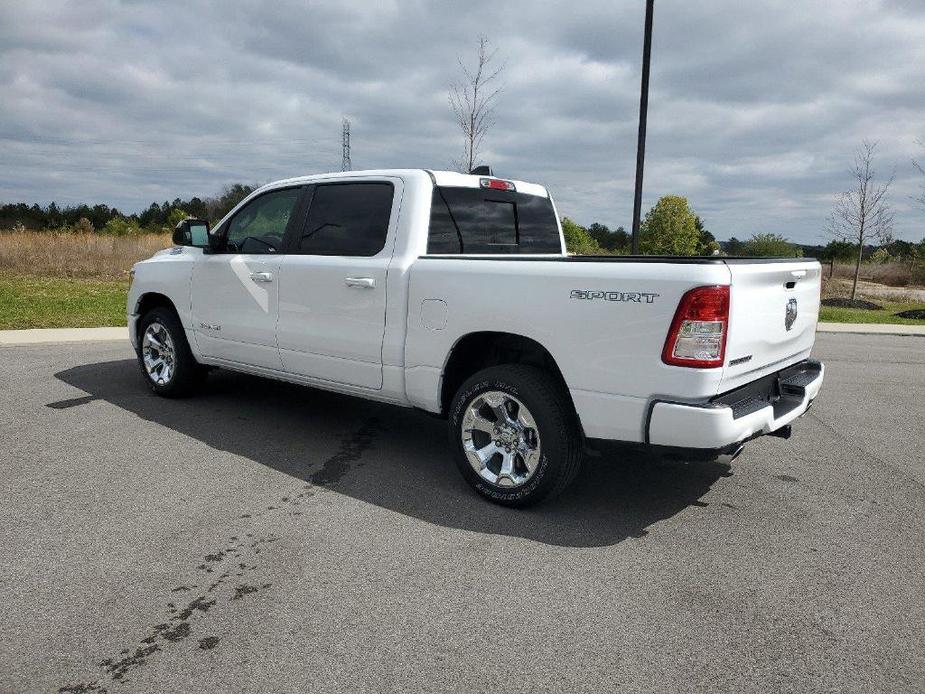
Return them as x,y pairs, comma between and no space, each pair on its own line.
454,294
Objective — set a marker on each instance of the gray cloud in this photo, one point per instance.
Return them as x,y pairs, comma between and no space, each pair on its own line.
755,107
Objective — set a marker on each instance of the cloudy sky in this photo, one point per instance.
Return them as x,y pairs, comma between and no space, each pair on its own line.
755,107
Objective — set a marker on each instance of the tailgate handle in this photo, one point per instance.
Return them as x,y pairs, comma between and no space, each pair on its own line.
796,275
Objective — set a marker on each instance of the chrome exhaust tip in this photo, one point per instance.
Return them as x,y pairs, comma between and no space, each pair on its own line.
735,454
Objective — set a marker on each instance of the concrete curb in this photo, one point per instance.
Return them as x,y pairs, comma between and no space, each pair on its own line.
43,336
872,329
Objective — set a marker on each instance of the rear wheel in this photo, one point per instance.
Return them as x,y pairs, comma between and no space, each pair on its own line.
164,355
514,435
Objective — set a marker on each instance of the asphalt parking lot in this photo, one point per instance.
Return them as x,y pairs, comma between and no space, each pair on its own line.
265,537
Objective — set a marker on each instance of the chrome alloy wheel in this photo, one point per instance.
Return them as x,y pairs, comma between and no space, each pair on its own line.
158,353
500,438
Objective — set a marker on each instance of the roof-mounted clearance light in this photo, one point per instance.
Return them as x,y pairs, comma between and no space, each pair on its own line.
496,184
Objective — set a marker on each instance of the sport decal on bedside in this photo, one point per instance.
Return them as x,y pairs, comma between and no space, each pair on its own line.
635,297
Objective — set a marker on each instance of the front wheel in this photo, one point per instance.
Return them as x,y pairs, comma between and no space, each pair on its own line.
164,355
514,435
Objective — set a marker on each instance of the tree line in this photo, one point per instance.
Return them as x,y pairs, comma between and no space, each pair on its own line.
671,227
103,219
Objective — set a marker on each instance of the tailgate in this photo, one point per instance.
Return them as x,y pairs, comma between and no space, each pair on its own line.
774,306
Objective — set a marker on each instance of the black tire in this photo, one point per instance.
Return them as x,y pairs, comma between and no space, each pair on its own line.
560,440
187,374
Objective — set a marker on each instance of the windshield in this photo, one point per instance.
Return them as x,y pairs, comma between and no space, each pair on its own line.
475,220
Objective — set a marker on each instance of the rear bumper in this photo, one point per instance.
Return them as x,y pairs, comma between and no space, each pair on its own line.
757,408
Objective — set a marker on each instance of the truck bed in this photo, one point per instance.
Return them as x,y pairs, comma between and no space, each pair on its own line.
605,319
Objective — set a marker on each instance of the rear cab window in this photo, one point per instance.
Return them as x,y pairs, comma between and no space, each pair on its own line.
484,221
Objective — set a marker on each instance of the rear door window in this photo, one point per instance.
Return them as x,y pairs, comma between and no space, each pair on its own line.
347,219
474,220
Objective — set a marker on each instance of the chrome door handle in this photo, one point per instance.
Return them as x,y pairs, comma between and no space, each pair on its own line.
364,282
262,276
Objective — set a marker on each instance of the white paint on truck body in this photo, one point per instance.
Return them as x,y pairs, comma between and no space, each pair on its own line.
388,333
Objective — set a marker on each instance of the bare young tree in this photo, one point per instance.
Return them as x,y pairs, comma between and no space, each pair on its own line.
920,198
863,212
473,101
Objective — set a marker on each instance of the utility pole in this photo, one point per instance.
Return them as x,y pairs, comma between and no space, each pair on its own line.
643,113
345,141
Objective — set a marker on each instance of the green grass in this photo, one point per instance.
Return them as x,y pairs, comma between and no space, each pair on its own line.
830,314
56,302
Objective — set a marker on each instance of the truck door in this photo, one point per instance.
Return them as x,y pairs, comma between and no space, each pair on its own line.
235,293
332,283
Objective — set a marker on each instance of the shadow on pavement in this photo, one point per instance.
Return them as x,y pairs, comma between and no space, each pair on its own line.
397,458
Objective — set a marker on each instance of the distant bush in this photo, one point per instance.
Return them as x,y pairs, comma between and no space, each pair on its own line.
769,246
83,226
120,226
880,256
577,239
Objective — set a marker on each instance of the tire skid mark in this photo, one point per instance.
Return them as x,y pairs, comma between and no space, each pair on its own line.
237,558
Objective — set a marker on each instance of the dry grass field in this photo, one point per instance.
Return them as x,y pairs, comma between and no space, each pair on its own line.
892,274
44,254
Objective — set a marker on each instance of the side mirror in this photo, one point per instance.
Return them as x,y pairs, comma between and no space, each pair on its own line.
192,232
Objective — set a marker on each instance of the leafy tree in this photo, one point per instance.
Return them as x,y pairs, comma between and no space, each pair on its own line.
899,248
197,208
733,246
917,253
231,196
616,241
837,251
706,243
577,239
151,216
177,215
770,246
670,228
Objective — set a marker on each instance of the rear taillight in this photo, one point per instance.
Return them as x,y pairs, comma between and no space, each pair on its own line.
698,332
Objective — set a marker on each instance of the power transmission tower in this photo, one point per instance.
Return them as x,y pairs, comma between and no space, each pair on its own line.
345,161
